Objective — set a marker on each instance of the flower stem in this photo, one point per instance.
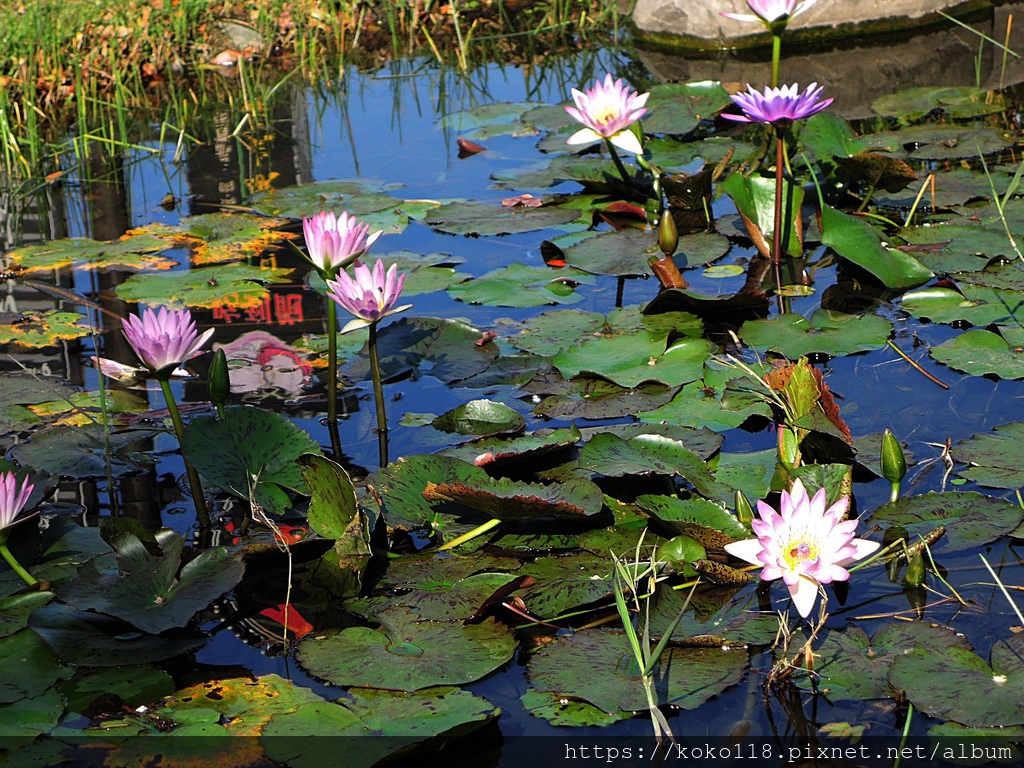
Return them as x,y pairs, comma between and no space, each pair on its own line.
776,57
15,565
202,513
378,396
777,235
618,163
332,378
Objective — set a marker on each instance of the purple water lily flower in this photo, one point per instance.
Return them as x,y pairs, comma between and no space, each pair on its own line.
772,13
607,110
778,106
164,339
804,543
368,295
12,498
336,241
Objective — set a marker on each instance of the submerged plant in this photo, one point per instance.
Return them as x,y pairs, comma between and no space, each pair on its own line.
163,340
12,502
806,544
371,297
608,110
333,243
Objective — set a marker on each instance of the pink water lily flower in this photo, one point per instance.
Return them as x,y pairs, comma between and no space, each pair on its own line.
12,498
778,105
607,110
336,241
164,339
772,12
804,543
368,295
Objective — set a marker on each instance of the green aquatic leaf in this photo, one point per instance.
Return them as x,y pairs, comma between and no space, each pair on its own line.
558,710
709,523
481,418
518,285
87,451
754,197
597,665
631,359
134,252
981,353
532,447
215,238
459,600
586,398
994,458
333,509
250,452
678,108
615,252
406,654
27,667
237,285
505,499
44,329
135,685
1000,276
973,304
860,243
971,519
424,273
957,248
955,101
827,135
935,682
564,583
478,219
153,592
826,332
736,622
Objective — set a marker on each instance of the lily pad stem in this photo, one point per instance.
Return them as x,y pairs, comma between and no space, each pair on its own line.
777,233
332,378
618,163
480,530
378,396
15,565
202,512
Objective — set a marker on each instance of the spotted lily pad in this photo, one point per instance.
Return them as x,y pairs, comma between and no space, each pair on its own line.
709,523
993,456
400,486
506,499
406,654
971,519
935,682
585,398
153,592
695,406
130,254
616,252
86,451
946,142
852,667
955,101
633,358
558,710
826,332
455,600
27,667
564,583
483,219
238,285
678,108
955,248
596,665
424,274
219,237
737,622
250,452
480,418
518,285
44,329
982,353
1003,276
529,447
973,304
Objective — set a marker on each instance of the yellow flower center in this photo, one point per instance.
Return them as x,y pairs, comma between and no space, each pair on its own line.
799,551
606,115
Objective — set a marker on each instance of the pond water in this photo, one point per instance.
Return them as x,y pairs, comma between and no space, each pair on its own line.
395,132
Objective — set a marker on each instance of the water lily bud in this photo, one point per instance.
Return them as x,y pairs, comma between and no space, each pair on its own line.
668,233
789,447
894,464
217,381
744,512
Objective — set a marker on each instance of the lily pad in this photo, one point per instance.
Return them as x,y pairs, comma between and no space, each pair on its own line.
709,523
216,238
128,254
425,274
563,584
505,499
616,252
367,200
678,108
860,243
406,654
853,667
238,285
957,247
482,219
530,447
586,398
596,665
954,101
826,332
457,600
973,304
400,486
734,623
946,142
935,682
85,451
250,452
631,359
1003,276
44,329
981,353
333,510
518,285
971,519
480,418
993,457
134,685
154,592
558,710
27,667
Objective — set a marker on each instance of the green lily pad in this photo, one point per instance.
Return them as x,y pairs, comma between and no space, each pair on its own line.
518,285
130,254
480,418
591,172
853,667
237,285
754,197
457,600
973,304
44,329
406,654
91,640
478,219
981,353
694,406
558,710
1005,276
952,187
827,135
678,108
505,499
616,252
826,332
333,510
958,247
748,472
734,623
424,274
23,722
586,398
956,102
444,349
528,447
368,201
400,486
81,452
555,330
970,518
631,359
611,455
250,452
859,242
153,592
564,583
215,238
15,610
935,682
134,685
993,457
27,667
709,523
946,142
596,665
499,114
